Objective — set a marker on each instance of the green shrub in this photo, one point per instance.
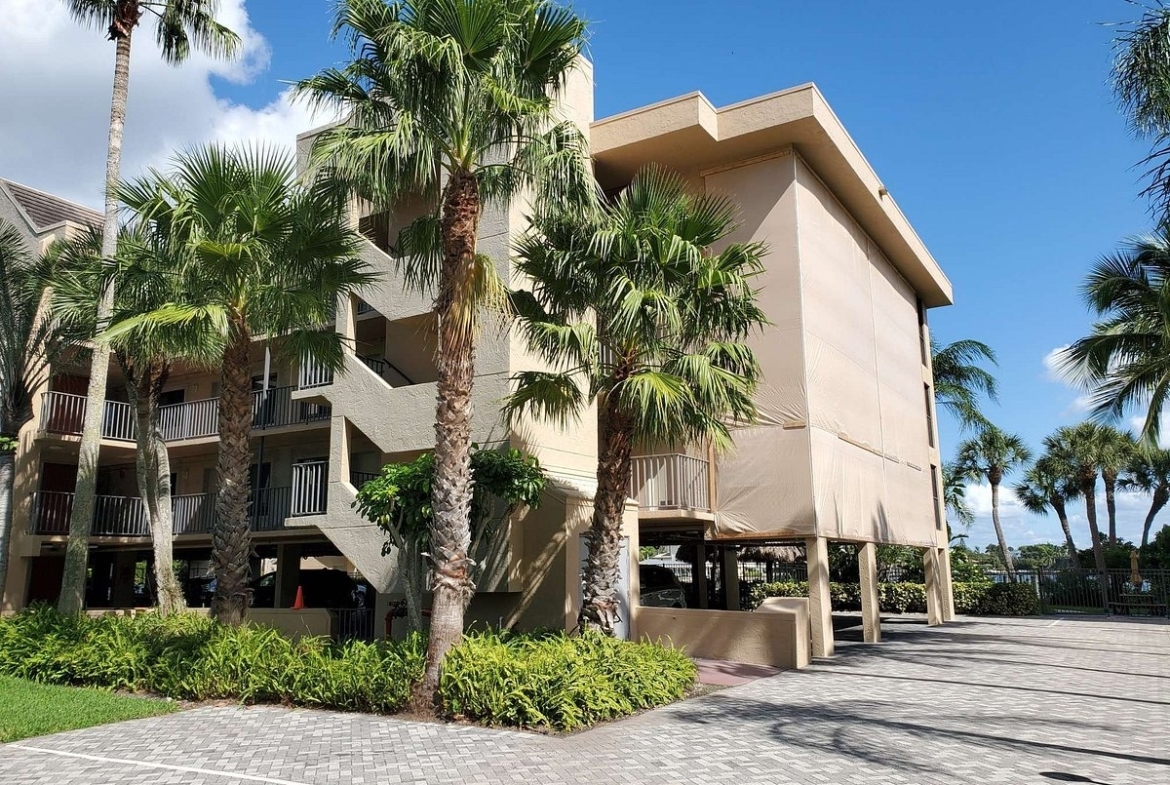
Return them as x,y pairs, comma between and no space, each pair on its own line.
537,680
557,681
976,598
1010,599
191,657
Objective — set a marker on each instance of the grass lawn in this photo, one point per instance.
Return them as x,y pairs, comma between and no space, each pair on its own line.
30,709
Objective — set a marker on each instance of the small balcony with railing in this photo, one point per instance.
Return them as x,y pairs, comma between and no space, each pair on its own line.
193,514
672,485
64,414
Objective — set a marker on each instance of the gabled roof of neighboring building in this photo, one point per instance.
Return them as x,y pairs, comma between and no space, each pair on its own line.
45,209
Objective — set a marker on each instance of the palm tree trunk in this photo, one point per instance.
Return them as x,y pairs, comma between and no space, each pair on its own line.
451,494
1110,479
1090,492
231,539
154,482
1008,565
1062,516
81,518
1161,496
599,602
7,480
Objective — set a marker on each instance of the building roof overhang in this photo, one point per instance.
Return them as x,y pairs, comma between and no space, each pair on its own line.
689,133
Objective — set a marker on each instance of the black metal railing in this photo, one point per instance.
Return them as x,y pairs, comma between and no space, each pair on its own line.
125,516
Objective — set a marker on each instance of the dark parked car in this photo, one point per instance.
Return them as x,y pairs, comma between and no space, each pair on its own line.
661,587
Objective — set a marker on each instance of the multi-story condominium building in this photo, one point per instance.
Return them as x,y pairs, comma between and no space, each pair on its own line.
845,448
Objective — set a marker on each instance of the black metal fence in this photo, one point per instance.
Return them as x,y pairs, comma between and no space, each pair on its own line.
352,624
1085,591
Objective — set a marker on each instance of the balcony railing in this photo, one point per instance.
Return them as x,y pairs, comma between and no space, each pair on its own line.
65,413
313,375
358,479
125,516
670,482
309,481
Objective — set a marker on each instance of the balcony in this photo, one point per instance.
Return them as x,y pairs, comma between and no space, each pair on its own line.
125,516
65,413
671,482
309,482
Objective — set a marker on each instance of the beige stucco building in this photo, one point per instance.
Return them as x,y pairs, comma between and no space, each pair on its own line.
845,448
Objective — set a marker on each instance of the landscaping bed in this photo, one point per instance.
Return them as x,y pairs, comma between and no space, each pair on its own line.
541,680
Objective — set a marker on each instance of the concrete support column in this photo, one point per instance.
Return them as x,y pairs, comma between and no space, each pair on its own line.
871,619
699,575
288,575
123,589
731,577
948,584
934,603
820,611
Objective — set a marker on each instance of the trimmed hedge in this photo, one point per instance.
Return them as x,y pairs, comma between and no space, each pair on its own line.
558,681
529,680
191,657
979,599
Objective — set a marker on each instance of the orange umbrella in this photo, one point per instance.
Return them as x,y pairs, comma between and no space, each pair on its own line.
1134,577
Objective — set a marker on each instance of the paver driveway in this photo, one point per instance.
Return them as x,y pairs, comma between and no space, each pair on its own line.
978,701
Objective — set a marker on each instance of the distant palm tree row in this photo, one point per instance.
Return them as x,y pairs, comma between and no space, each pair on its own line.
1074,459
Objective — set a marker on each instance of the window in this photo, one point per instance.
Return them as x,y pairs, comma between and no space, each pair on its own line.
929,414
938,519
922,342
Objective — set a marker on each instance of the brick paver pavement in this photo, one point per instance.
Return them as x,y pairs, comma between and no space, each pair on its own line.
977,701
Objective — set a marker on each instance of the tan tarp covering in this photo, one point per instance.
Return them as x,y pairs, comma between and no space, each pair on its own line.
841,449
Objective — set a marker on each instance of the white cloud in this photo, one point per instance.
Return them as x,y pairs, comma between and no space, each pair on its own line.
1052,364
56,92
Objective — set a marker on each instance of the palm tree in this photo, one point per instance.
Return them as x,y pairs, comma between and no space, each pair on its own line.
959,381
1149,472
667,359
1141,81
1125,361
454,102
955,494
1079,447
260,255
26,345
143,282
179,25
1116,451
1050,484
992,454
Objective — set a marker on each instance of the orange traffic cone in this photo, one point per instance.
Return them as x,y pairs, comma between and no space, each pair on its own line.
299,602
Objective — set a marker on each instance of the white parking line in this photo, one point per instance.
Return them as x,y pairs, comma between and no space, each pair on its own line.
1058,621
167,766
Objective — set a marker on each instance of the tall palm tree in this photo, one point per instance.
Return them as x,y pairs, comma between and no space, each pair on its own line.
1050,484
955,494
991,455
26,346
261,255
1080,447
1141,81
179,25
1149,472
667,359
1116,451
455,102
144,280
959,381
1125,360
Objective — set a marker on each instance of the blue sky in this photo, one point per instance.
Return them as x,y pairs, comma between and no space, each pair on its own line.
991,123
